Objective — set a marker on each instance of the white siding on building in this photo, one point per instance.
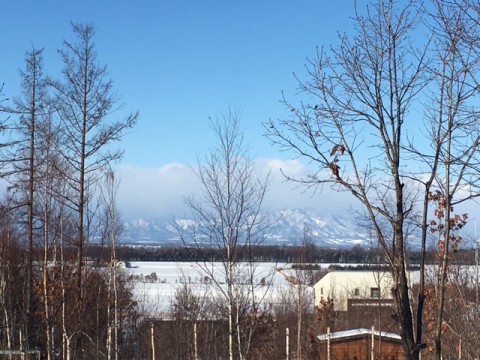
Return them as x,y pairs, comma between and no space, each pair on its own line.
342,285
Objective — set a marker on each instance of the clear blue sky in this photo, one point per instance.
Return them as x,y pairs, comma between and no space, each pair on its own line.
179,62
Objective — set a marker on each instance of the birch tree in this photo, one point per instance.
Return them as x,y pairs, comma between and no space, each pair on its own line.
228,217
112,229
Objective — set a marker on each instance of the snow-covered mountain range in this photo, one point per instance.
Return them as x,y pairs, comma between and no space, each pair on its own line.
288,227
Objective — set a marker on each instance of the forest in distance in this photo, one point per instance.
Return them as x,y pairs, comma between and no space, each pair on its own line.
280,254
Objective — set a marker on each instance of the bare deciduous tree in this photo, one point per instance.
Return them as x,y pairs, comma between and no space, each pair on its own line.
21,161
85,103
112,227
228,215
360,93
360,127
450,164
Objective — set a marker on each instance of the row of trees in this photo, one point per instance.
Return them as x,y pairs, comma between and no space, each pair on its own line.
261,337
280,254
55,159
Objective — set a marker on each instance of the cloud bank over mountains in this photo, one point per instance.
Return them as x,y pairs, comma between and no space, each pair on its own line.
150,193
154,193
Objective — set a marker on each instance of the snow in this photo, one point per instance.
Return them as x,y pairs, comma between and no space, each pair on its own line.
358,332
156,297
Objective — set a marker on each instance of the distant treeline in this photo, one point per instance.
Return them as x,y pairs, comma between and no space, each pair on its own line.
288,254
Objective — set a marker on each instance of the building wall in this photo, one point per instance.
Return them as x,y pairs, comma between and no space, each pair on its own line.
345,284
360,349
364,313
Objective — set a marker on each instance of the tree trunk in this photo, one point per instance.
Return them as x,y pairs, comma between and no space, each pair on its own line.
48,331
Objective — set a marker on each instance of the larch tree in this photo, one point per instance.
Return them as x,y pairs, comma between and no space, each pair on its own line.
86,103
21,160
87,109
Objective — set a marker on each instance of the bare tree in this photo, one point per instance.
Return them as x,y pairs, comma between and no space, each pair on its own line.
360,95
54,158
228,217
450,164
297,303
85,103
360,128
194,307
49,213
112,229
462,314
2,100
21,161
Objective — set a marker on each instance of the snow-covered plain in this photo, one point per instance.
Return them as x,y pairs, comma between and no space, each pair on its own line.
157,282
155,293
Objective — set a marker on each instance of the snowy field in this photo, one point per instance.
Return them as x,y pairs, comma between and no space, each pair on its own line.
157,282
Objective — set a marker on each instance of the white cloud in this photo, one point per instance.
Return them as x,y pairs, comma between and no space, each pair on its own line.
154,192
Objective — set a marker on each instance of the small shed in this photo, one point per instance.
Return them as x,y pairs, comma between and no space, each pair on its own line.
361,344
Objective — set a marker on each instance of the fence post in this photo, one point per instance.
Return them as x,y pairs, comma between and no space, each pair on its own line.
328,343
287,350
195,341
372,351
152,333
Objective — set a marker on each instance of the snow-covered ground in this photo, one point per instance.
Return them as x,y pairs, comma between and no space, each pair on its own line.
157,282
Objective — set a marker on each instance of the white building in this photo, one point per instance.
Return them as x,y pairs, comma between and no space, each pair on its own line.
362,285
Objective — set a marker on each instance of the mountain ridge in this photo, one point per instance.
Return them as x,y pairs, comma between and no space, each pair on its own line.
289,227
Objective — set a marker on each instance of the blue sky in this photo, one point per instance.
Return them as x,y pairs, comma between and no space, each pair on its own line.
179,63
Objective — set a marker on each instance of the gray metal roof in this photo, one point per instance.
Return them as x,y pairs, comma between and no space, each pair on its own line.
358,332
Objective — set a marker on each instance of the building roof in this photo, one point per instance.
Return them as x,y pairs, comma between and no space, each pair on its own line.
339,335
355,277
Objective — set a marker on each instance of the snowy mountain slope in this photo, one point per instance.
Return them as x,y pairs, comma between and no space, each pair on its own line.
289,227
297,226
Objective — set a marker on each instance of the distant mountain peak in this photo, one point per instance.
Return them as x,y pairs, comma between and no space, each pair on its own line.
289,227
